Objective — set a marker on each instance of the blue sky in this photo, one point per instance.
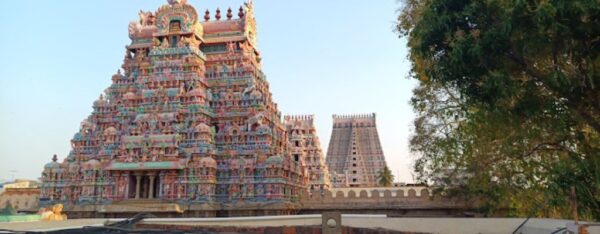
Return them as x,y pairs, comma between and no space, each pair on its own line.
320,57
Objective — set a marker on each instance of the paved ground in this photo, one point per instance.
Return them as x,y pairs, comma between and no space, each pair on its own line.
417,225
422,225
51,225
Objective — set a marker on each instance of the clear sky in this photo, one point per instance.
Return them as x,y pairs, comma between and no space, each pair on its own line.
321,57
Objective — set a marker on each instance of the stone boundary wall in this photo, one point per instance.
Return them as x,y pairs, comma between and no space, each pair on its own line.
398,192
392,201
371,194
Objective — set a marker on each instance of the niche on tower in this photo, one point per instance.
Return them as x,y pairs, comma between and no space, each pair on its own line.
175,26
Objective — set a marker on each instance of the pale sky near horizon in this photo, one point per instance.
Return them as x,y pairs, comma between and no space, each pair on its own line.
320,57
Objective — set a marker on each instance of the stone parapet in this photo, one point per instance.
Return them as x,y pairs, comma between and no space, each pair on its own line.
402,202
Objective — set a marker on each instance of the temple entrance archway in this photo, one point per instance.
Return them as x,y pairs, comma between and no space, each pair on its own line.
131,187
143,185
145,191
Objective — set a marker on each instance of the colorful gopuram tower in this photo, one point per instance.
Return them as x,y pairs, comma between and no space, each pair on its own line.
354,155
306,147
189,120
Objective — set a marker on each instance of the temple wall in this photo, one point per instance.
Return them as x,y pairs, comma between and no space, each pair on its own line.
418,191
393,201
369,195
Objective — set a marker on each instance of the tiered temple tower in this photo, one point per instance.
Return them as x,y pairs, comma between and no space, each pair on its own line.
306,147
189,120
354,155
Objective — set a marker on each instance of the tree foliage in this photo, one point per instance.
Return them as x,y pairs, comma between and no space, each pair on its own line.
8,209
385,177
508,103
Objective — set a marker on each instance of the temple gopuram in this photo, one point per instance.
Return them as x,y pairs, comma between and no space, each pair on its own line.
188,125
306,148
354,155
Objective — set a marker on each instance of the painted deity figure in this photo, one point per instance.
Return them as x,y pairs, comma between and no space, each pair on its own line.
146,18
167,186
165,43
181,43
250,190
234,191
192,42
199,191
231,47
108,192
198,171
260,190
122,186
100,192
77,192
182,90
269,191
68,193
152,124
130,157
205,191
122,153
155,155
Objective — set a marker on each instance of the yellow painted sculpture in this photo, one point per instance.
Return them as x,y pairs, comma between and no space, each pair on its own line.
53,214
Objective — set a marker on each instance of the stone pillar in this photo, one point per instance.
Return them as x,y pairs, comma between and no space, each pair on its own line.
151,191
138,181
331,222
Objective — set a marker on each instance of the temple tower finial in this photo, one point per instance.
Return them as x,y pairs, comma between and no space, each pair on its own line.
207,15
218,15
174,2
229,14
241,12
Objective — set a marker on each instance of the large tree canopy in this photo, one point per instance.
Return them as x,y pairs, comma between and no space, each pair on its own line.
508,104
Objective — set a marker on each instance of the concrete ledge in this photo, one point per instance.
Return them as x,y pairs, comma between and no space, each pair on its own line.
254,218
19,218
51,225
151,208
261,221
372,222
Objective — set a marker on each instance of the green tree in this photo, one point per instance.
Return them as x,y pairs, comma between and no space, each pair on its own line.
385,177
8,209
508,100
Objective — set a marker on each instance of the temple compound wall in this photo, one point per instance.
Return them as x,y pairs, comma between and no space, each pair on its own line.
188,121
354,155
391,201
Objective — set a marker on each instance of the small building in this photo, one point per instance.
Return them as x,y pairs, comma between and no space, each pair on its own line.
23,195
21,183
